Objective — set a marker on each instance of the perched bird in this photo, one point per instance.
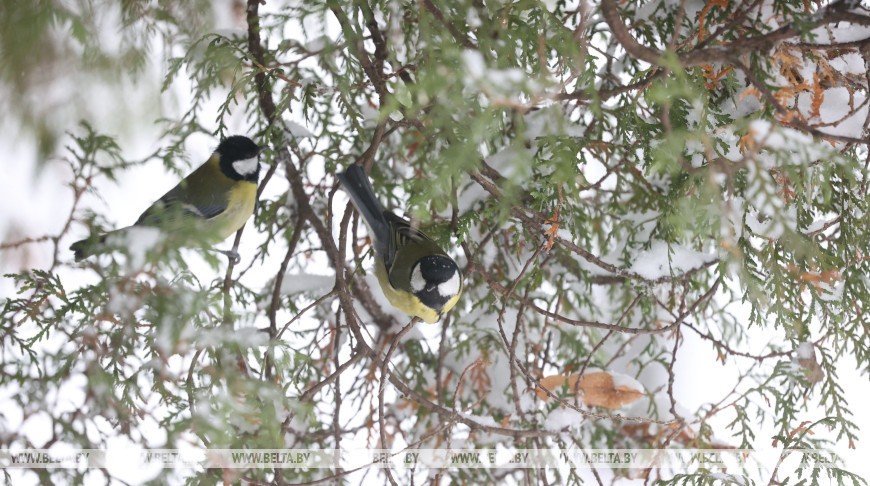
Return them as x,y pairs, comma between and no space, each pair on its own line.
415,274
208,205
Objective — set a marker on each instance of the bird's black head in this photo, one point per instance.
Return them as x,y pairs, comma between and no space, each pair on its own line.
436,279
238,158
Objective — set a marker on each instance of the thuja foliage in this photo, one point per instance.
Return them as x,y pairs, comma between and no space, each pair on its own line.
614,180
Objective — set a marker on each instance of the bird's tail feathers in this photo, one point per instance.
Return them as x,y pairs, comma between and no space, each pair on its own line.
356,184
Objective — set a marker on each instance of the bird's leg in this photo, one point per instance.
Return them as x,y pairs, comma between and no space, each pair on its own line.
233,255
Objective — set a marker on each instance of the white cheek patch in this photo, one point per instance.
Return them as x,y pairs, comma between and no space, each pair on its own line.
246,166
418,283
450,287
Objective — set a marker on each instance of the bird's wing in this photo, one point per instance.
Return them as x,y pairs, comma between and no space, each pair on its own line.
207,202
403,233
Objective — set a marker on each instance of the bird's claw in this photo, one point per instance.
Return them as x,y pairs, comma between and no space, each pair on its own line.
233,256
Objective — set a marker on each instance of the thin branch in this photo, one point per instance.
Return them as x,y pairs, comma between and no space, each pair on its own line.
708,55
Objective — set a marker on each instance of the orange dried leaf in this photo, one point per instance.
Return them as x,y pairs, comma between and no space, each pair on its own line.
818,96
412,148
816,279
785,191
712,76
718,3
750,91
786,59
829,276
801,428
790,116
553,230
598,389
551,235
747,142
551,383
105,316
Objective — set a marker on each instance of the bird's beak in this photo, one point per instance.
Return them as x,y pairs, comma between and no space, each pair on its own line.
261,149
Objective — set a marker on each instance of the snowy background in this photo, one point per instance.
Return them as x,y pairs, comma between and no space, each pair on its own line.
35,200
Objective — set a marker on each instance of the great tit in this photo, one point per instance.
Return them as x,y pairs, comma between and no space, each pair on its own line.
208,205
415,274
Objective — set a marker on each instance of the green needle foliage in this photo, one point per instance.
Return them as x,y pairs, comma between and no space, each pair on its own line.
631,188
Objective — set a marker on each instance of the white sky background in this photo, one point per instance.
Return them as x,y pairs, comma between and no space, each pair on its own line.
35,201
